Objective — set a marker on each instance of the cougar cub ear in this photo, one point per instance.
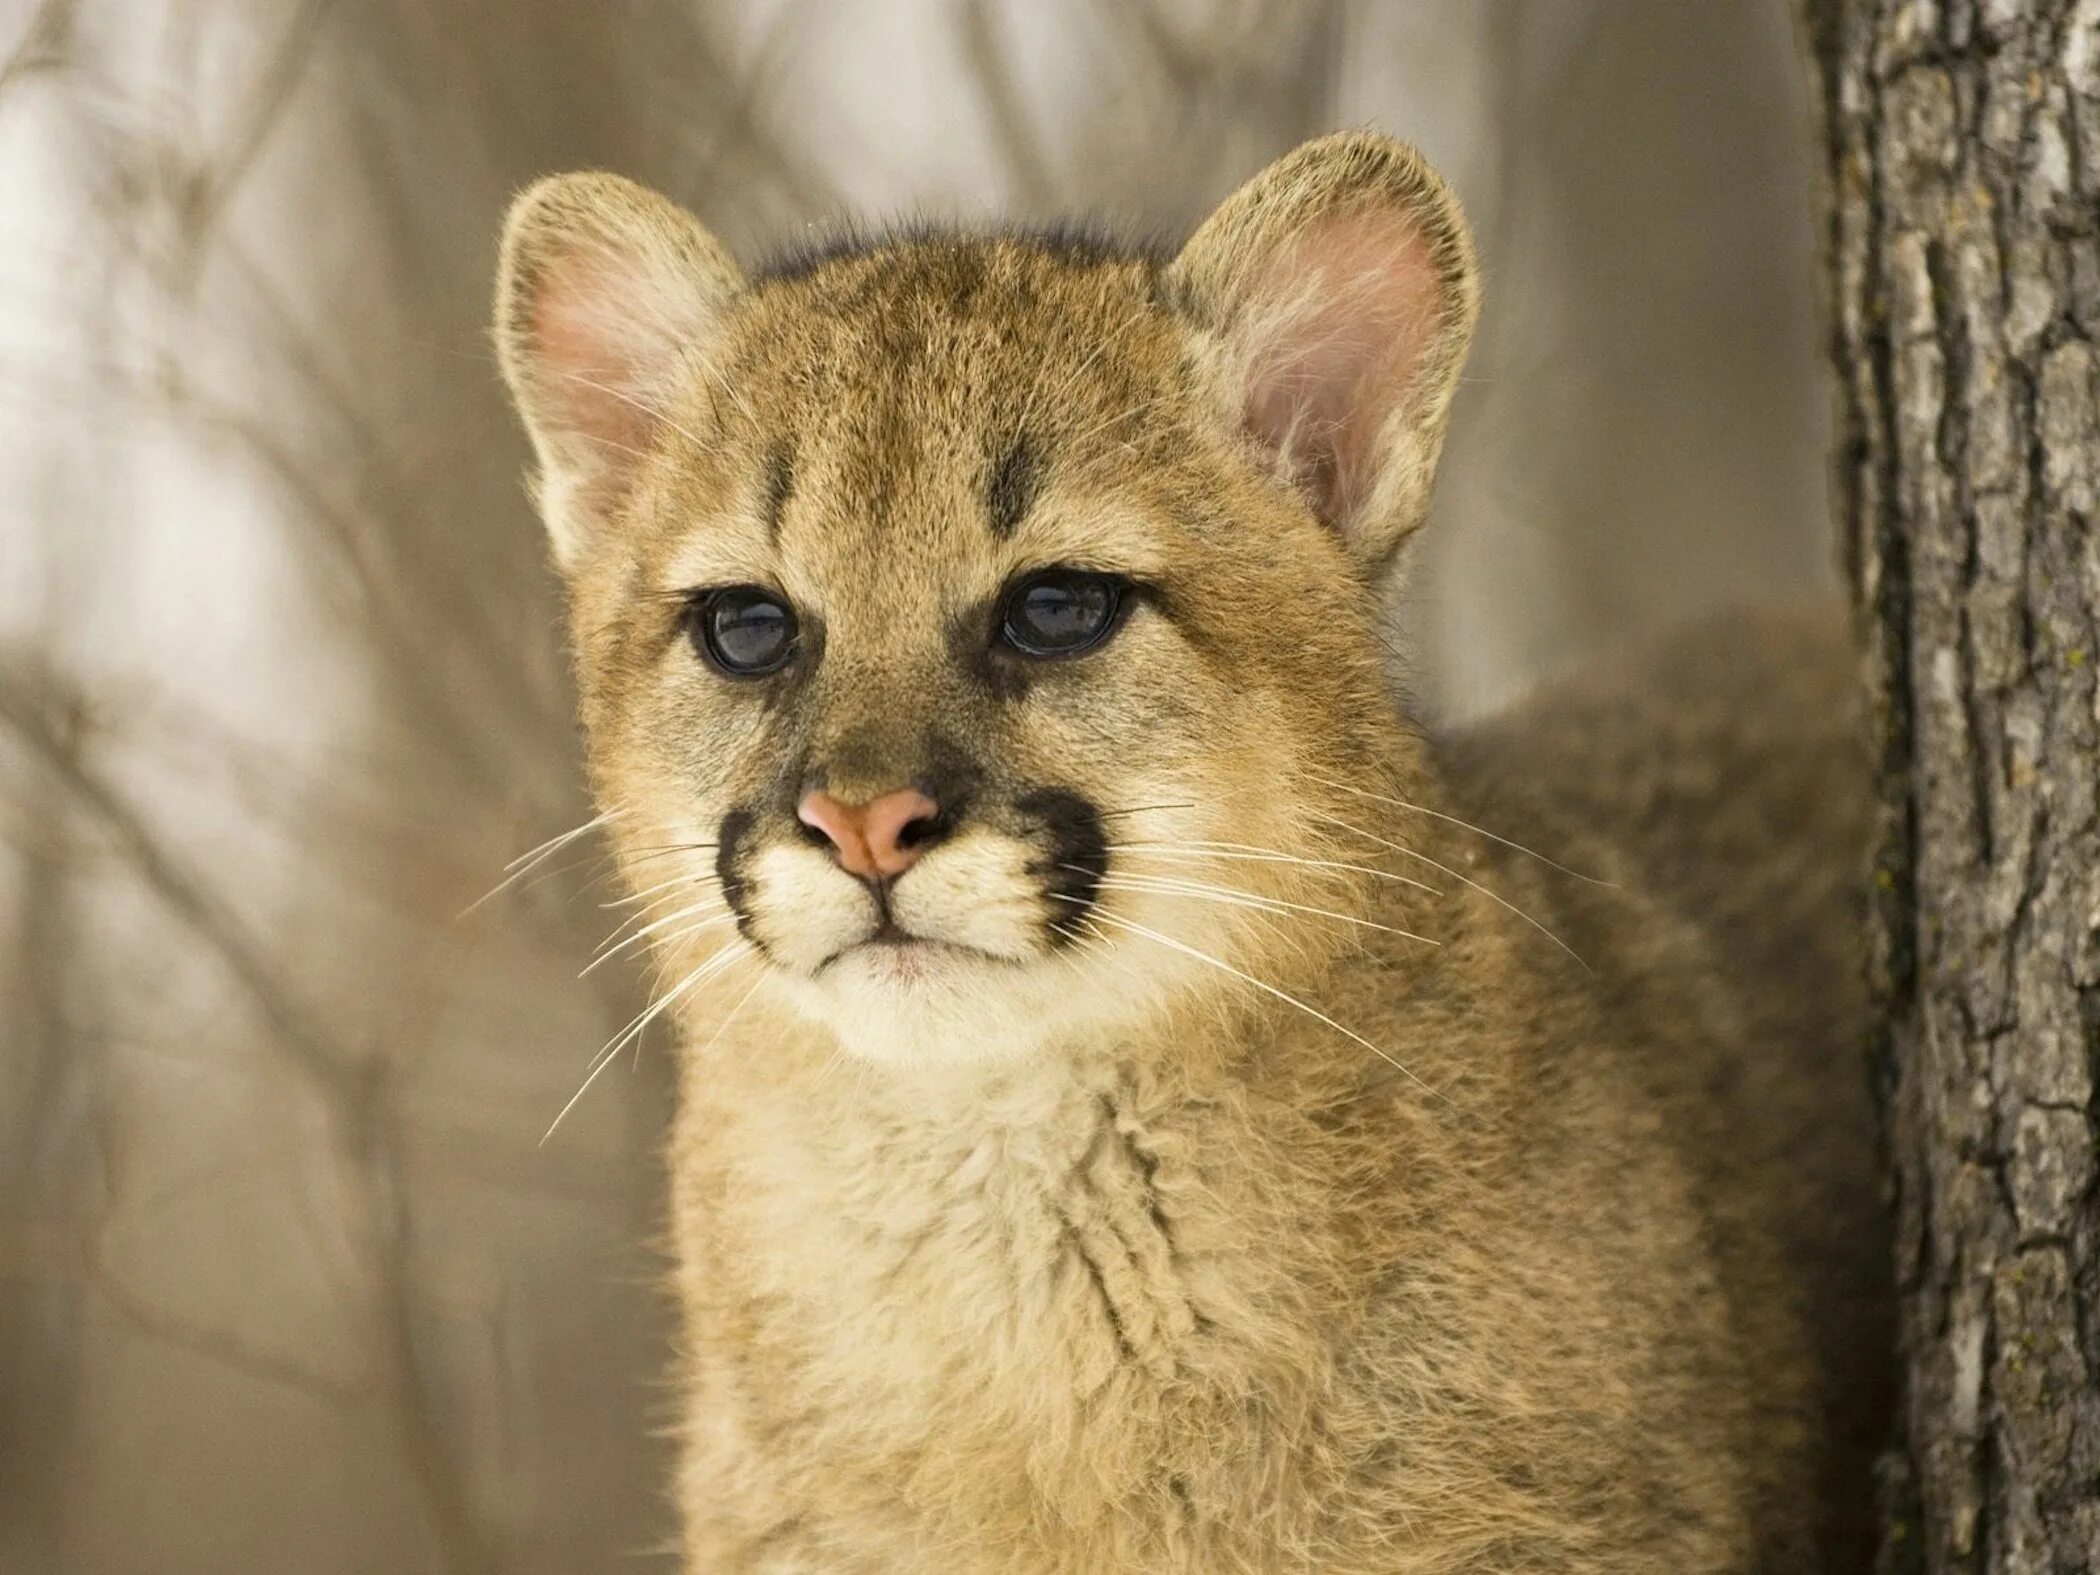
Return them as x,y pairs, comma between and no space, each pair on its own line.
606,296
1337,292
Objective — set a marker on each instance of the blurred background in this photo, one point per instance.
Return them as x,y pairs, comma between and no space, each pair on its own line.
288,1281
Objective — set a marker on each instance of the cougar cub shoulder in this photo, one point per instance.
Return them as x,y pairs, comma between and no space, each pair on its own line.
1137,1112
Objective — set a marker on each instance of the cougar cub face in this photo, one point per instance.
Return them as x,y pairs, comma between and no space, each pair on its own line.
944,610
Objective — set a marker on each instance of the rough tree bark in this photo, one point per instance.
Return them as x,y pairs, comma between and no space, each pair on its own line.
1964,147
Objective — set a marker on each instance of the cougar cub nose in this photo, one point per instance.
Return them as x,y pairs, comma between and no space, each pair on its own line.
878,839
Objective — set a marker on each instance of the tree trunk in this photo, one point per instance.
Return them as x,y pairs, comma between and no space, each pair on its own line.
1964,146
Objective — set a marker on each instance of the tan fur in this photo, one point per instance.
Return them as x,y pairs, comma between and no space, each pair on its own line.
1350,1225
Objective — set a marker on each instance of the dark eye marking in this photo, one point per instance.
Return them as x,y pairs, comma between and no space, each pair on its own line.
743,631
780,485
1076,859
1010,490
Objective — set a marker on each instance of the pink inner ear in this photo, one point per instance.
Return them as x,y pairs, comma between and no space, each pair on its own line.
587,354
1340,324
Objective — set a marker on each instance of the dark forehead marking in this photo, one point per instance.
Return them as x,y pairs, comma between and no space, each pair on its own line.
1010,488
780,484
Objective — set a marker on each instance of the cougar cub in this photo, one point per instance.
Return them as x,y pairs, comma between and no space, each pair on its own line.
1137,1112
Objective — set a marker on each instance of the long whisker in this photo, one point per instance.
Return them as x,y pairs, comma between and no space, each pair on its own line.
601,865
1266,988
730,1016
1464,825
1273,916
1245,851
562,839
525,863
678,882
667,850
1174,886
718,915
652,907
705,969
698,927
1099,943
610,1053
1495,897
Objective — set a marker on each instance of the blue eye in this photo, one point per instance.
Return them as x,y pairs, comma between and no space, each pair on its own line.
1061,612
743,630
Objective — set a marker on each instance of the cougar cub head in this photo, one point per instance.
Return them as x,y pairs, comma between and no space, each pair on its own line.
971,631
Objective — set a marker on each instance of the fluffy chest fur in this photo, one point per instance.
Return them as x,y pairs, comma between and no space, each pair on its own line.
1059,1301
1295,1314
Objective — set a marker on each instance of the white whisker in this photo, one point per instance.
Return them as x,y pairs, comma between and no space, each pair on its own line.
1492,896
525,863
1464,825
1249,853
1266,988
717,915
611,1051
651,908
730,1016
1169,885
676,881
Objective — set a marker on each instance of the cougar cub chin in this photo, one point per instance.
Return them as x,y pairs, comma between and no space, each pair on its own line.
1137,1112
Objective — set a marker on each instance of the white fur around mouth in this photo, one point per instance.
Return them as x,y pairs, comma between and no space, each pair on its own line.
907,961
900,957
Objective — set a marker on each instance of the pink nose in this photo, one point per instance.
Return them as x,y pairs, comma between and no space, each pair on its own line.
875,840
